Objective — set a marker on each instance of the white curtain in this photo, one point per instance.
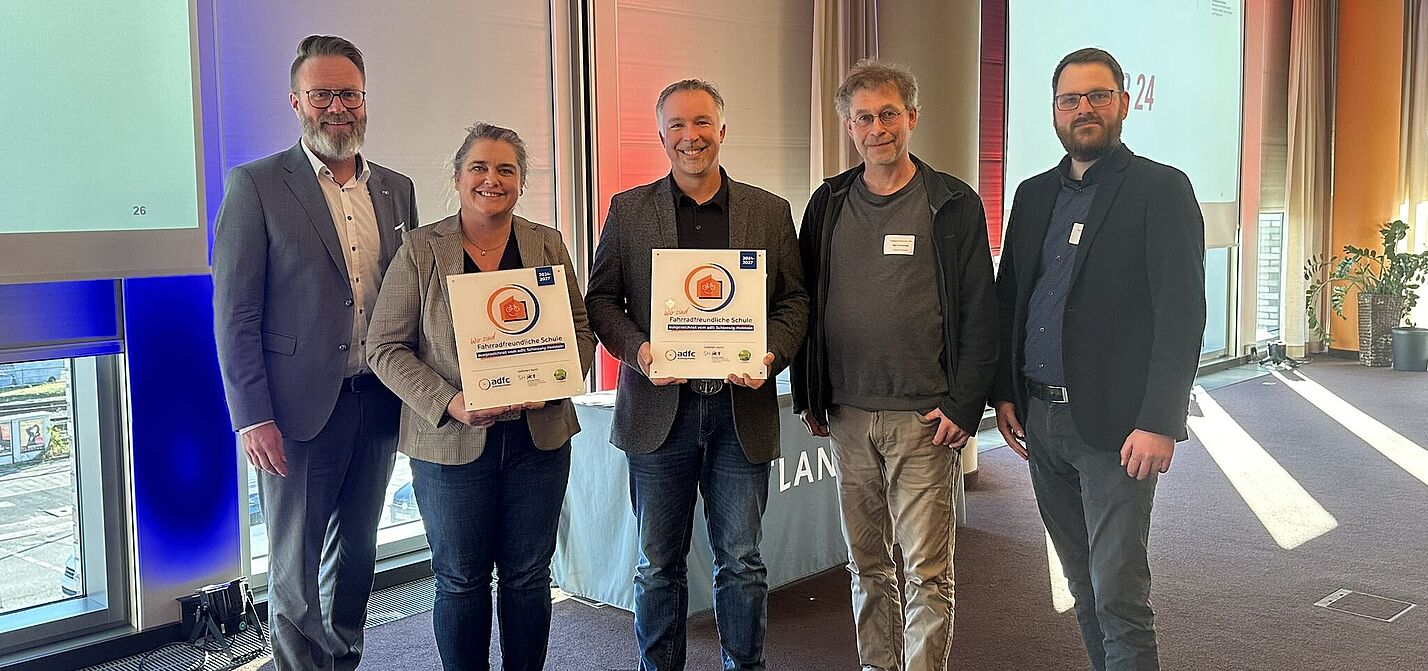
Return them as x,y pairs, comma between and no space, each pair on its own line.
1413,146
844,31
1413,140
1309,164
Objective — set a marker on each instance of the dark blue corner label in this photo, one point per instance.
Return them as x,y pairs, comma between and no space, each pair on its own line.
748,260
545,276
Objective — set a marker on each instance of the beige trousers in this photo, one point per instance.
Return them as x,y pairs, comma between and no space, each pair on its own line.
895,486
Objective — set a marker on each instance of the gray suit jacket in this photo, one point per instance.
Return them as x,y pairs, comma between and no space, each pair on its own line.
642,219
282,302
412,347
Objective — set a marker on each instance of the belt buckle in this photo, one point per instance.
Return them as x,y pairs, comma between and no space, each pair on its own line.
1058,394
705,387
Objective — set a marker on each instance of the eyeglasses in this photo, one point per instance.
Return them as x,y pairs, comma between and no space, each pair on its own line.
322,98
886,116
1098,98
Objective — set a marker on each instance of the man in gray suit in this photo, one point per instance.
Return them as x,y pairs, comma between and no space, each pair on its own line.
713,437
300,246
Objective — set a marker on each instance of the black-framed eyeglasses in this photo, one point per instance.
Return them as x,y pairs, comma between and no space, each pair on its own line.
886,116
1098,98
322,98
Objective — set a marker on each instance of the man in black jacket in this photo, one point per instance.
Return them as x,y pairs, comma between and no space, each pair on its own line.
1102,296
900,352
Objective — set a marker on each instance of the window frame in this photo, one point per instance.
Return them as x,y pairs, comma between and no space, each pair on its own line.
99,437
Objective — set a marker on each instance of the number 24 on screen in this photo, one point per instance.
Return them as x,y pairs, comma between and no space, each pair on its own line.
1144,91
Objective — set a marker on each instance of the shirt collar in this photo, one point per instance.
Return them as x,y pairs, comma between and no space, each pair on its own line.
720,199
318,167
1092,173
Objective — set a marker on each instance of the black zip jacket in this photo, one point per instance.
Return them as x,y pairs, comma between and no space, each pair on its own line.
965,289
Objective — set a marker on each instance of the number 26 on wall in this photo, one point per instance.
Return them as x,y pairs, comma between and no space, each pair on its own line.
1144,91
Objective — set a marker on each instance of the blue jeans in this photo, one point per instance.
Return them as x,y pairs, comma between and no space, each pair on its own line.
500,510
701,455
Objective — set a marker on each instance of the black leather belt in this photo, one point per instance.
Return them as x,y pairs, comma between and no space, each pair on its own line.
361,384
1048,392
706,387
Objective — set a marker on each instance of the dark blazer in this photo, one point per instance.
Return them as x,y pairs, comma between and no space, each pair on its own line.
282,303
1135,314
618,299
411,345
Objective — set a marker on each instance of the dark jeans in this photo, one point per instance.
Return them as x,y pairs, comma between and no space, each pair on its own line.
500,510
1099,521
701,455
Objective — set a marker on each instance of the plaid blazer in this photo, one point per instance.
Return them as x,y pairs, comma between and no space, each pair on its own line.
411,345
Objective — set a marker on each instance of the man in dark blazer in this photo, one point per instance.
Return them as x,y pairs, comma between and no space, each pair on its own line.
300,246
714,437
1102,297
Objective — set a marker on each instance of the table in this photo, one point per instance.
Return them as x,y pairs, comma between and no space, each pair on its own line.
597,547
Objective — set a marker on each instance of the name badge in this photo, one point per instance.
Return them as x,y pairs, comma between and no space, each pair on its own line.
1076,234
898,244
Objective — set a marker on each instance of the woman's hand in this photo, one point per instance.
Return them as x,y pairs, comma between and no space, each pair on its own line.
482,418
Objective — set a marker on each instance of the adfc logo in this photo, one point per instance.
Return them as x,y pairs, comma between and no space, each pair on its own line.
709,287
513,309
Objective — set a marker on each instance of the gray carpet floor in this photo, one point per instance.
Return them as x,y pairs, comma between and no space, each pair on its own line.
1227,596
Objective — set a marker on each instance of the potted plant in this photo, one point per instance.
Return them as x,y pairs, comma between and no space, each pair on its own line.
1386,283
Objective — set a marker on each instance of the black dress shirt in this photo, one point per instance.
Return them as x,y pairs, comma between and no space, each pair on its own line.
506,433
510,260
702,225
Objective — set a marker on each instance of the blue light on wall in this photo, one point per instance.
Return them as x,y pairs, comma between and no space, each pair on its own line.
184,458
58,320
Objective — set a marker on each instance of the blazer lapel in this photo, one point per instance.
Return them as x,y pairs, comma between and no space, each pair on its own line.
741,229
446,247
303,183
1110,183
387,223
529,242
666,232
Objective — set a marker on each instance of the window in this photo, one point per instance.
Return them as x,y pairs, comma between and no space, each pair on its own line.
60,540
39,525
1269,281
1219,302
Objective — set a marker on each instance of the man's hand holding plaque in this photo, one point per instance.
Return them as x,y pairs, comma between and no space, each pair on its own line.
708,316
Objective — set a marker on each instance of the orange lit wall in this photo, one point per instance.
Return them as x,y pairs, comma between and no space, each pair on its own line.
1366,127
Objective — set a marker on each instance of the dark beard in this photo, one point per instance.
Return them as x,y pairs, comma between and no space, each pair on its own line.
1086,151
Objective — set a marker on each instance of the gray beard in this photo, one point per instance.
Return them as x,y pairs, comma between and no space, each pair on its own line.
328,146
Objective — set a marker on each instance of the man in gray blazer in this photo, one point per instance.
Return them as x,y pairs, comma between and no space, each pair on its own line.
300,246
712,437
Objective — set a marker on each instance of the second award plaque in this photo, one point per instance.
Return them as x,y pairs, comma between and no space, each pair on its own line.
708,313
